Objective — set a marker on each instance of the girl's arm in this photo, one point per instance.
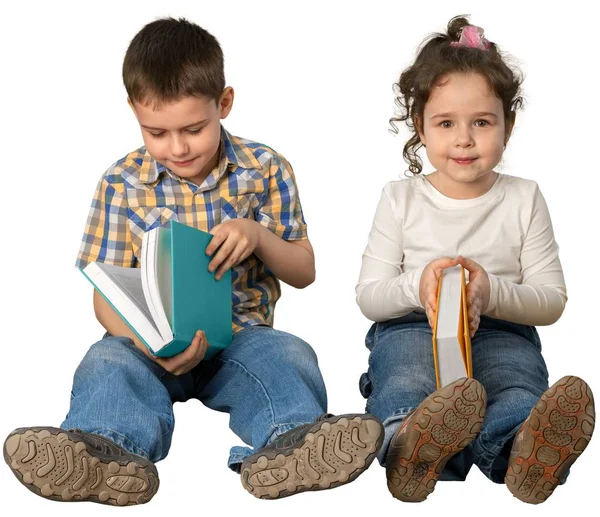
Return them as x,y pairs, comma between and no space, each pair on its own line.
541,297
383,291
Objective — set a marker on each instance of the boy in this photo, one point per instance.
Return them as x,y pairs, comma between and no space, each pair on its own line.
121,419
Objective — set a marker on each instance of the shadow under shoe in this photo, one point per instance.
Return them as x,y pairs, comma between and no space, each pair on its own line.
77,466
333,451
556,432
443,424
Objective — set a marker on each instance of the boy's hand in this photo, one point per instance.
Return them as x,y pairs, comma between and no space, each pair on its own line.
428,286
478,292
188,359
238,238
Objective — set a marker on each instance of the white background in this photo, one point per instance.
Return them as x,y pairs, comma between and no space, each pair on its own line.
314,81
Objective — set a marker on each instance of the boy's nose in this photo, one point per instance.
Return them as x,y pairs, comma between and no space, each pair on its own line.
179,147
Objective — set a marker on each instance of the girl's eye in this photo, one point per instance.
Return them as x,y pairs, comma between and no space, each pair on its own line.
446,124
157,135
481,123
194,131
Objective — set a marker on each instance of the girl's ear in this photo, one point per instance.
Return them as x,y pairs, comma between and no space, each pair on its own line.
509,127
418,125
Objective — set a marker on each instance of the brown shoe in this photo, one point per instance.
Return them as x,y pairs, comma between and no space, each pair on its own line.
77,466
443,424
332,451
556,432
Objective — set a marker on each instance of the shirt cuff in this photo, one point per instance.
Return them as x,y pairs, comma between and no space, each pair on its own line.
415,284
494,289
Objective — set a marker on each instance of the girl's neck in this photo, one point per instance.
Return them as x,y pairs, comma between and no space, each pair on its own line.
462,190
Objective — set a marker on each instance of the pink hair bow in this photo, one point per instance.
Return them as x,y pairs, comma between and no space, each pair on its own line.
472,36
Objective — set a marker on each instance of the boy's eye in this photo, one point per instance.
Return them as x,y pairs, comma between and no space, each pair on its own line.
446,124
156,135
194,131
481,123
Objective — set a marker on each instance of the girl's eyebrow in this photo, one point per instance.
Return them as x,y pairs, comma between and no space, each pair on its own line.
478,114
186,127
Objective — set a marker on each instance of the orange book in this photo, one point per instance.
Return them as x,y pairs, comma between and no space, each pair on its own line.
451,337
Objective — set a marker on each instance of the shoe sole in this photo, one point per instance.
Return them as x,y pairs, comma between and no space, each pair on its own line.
444,424
55,465
556,433
333,453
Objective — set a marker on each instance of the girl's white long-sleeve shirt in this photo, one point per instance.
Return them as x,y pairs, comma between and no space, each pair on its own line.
507,230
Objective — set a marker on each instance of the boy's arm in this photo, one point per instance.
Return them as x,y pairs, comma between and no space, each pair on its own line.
177,365
113,323
277,236
293,262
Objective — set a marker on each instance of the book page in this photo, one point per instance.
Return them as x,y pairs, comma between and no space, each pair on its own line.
130,282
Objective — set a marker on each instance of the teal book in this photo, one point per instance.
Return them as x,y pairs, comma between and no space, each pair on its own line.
172,294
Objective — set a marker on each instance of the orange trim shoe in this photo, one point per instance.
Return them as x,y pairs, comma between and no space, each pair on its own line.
556,432
443,424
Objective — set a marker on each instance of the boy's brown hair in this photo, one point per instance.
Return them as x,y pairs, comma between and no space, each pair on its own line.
171,59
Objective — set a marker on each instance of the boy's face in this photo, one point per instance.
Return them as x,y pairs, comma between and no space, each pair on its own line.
463,130
185,135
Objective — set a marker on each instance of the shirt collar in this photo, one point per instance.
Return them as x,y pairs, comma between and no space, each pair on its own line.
233,154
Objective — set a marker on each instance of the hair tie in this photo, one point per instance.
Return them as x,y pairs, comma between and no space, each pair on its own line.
472,37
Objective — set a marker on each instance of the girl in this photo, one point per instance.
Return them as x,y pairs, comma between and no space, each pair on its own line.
459,99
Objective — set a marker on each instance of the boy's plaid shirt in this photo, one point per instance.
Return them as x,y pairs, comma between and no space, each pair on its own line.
137,194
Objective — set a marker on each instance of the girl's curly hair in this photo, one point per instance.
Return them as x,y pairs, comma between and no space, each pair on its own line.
438,58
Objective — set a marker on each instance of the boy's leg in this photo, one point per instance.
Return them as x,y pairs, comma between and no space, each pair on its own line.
270,383
400,383
119,422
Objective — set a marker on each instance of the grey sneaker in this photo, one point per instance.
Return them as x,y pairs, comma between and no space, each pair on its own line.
443,424
77,466
556,432
332,451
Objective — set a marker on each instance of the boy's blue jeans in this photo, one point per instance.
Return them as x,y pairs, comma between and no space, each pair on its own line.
507,360
267,380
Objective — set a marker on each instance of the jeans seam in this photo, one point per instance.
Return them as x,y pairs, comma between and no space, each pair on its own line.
257,380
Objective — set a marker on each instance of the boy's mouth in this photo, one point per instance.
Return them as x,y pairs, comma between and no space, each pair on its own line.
185,163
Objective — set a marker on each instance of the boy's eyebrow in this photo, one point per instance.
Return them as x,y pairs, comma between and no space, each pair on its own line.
478,114
186,127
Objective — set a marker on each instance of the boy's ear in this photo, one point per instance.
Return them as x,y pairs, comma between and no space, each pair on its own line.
509,127
226,101
129,101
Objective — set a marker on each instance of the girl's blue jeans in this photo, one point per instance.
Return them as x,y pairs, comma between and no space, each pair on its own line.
507,360
267,380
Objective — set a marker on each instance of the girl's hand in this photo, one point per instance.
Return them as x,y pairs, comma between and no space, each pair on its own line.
188,359
237,239
478,292
428,286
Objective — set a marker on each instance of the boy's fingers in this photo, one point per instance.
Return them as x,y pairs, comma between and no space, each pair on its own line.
224,251
231,261
217,240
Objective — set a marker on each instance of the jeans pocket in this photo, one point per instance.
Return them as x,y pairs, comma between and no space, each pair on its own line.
364,385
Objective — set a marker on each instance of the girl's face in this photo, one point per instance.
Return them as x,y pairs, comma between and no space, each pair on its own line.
464,134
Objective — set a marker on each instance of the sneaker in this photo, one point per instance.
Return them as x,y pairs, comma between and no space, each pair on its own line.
77,466
556,432
443,424
332,451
